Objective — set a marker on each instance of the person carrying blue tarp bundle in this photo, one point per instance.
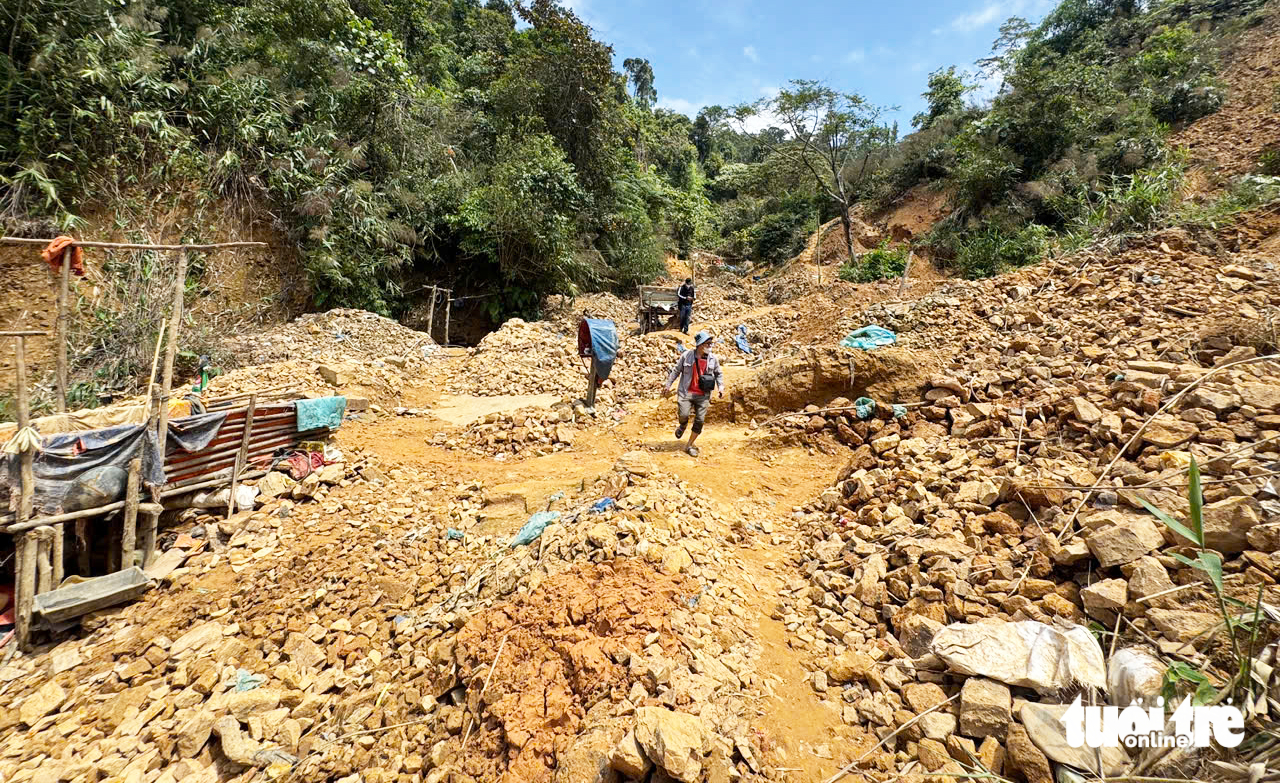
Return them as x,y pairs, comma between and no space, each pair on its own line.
684,304
698,374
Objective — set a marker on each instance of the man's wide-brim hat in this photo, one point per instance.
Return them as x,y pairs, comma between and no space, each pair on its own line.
702,337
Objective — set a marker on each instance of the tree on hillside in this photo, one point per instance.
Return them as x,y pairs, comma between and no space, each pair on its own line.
833,136
945,97
640,74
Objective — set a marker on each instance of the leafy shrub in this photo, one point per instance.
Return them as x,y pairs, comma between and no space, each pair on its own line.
992,249
878,264
1269,163
1178,69
780,236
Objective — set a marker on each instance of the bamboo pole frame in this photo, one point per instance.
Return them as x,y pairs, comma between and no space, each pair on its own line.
131,245
448,305
63,324
27,550
431,311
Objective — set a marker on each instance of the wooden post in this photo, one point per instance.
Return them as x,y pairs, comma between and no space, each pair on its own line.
129,535
431,312
24,421
591,383
150,525
160,410
58,553
44,563
448,302
64,319
171,351
243,456
26,588
906,270
25,565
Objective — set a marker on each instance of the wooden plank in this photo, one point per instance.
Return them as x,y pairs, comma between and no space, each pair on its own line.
448,305
97,593
243,455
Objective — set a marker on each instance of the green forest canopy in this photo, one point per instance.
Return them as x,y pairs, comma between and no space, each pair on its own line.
495,146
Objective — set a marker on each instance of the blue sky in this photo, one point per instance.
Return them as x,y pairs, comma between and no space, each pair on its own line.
730,51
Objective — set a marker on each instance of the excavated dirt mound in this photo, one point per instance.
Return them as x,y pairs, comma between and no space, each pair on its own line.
563,648
817,375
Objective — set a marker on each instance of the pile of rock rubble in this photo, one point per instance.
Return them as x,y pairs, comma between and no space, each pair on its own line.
281,658
1011,501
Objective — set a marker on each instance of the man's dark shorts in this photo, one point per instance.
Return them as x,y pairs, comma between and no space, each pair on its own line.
698,406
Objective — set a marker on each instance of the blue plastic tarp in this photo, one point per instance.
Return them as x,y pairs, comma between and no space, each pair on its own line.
869,337
741,339
532,529
604,345
324,412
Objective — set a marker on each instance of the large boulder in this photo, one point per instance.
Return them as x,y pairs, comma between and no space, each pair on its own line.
675,741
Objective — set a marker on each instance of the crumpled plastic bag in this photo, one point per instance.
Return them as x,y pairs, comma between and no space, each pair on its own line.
532,529
864,407
602,505
1027,654
869,337
247,681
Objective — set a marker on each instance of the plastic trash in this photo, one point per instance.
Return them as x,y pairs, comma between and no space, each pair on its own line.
532,529
1134,675
454,534
869,337
899,411
741,339
1026,654
247,681
864,407
602,505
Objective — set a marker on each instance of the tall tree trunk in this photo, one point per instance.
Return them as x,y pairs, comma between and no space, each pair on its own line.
848,232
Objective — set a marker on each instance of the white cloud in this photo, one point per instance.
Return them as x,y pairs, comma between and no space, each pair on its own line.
750,53
994,12
856,56
686,107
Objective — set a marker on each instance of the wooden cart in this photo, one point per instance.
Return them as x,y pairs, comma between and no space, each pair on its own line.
658,308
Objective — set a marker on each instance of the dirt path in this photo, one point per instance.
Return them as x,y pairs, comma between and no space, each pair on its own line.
747,479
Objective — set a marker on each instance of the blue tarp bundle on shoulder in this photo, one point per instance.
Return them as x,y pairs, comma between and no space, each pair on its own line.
324,412
602,342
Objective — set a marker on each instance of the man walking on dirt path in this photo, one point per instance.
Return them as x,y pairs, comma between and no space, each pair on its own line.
684,302
698,374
